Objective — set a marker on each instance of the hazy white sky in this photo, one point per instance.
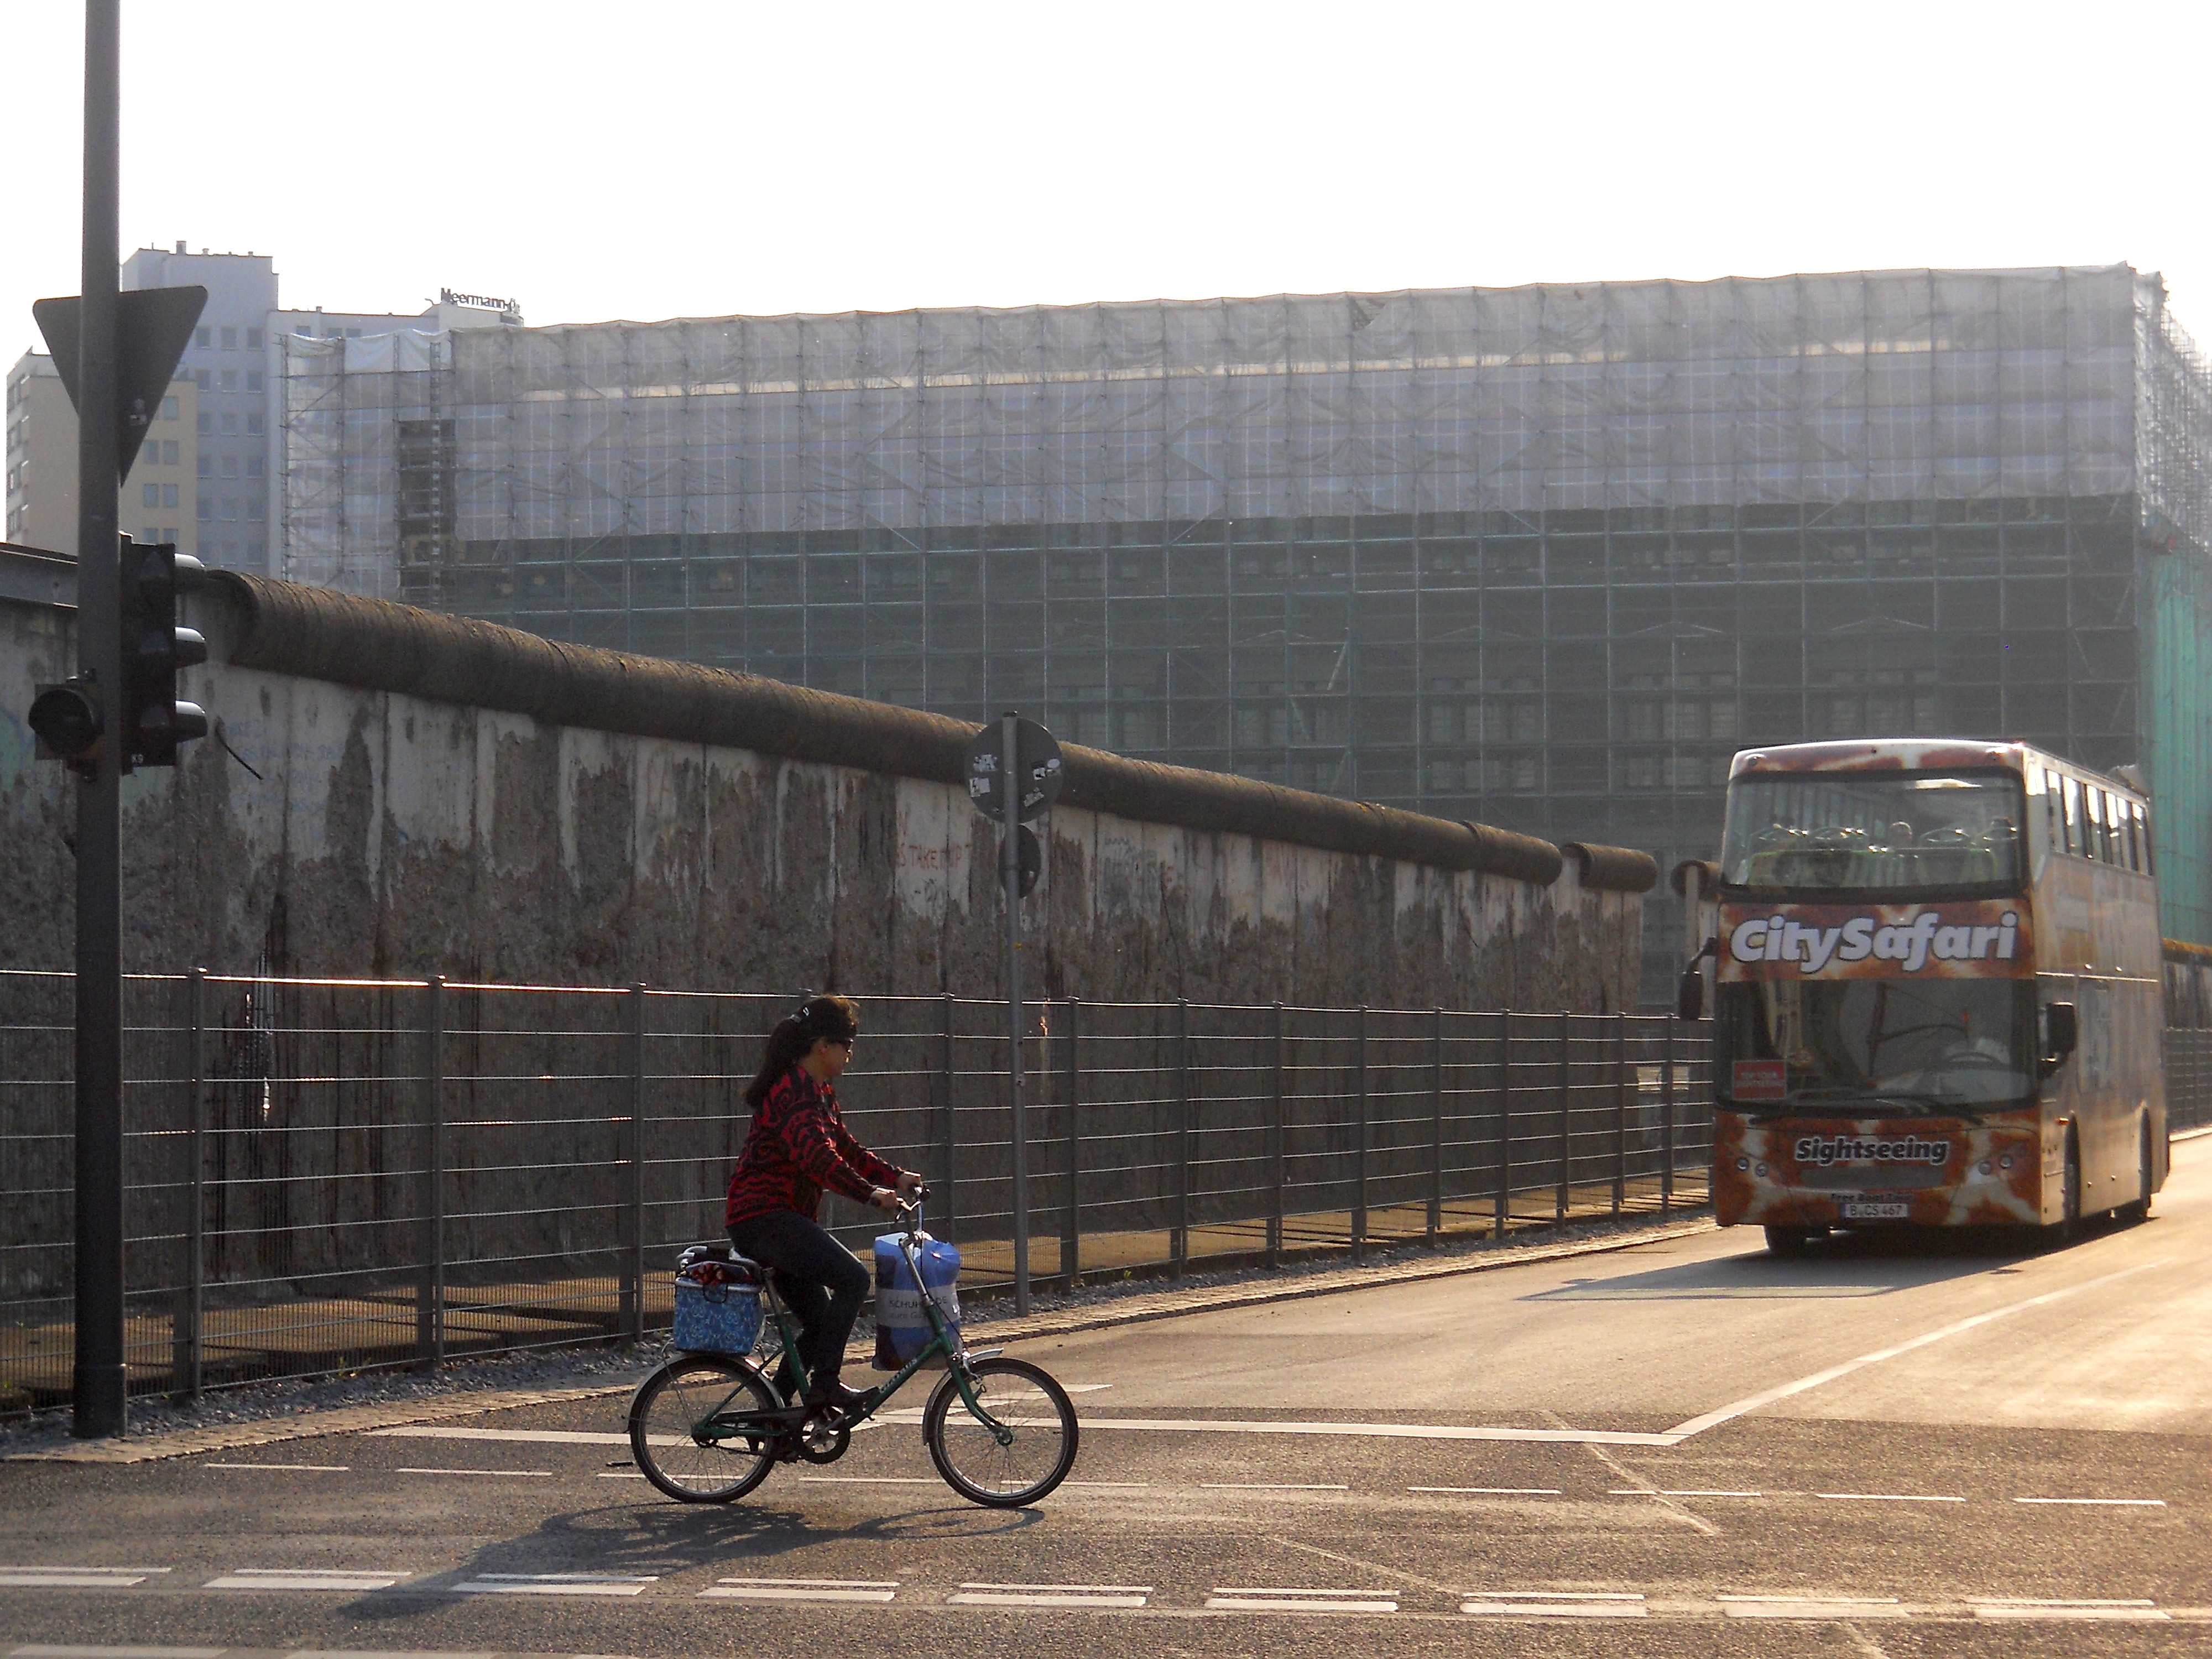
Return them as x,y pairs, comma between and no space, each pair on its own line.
665,158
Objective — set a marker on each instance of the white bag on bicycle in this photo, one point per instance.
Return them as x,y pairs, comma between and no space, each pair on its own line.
902,1328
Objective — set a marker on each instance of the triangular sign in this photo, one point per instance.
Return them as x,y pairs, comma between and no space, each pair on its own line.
153,327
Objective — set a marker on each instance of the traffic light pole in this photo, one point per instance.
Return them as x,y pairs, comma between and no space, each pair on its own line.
98,1393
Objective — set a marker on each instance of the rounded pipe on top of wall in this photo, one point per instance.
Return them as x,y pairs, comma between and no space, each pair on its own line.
318,633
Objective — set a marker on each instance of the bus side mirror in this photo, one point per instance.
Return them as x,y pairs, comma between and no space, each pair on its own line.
2060,1033
1690,993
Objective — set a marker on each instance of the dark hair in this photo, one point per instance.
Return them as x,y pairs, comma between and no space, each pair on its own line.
824,1018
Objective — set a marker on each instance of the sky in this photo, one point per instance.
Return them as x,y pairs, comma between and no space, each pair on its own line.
665,158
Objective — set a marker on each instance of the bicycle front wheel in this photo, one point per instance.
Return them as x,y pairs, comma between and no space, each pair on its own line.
672,1430
1026,1455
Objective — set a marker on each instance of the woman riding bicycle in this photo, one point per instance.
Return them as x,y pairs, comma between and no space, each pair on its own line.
798,1145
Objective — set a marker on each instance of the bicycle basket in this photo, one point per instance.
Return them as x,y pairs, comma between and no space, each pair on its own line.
715,1318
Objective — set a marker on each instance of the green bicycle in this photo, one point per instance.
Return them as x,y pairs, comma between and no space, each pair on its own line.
707,1428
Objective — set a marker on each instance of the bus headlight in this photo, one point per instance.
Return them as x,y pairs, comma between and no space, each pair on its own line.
1743,1164
1983,1166
2005,1162
1760,1171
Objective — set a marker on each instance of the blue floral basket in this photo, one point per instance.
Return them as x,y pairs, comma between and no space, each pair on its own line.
716,1318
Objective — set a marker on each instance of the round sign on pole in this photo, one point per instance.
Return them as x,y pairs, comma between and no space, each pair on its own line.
1032,859
1038,770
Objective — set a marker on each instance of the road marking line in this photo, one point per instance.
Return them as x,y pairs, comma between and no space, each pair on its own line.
76,1577
1682,1431
1555,1604
2121,1502
1810,1607
1497,1492
1050,1596
1670,1492
1887,1498
1280,1599
1383,1431
554,1584
802,1589
297,1468
1110,1485
303,1579
533,1436
2058,1601
512,1474
621,1474
2022,1608
50,1651
1267,1486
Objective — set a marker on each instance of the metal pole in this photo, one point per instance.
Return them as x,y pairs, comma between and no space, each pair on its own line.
1071,1244
1179,1238
1010,877
1436,1129
1503,1203
1619,1111
1275,1148
1359,1162
430,1295
1566,1106
99,1387
948,1136
632,1295
1666,1116
185,1335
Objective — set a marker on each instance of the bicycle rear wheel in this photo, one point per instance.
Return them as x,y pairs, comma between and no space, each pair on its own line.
671,1409
1037,1421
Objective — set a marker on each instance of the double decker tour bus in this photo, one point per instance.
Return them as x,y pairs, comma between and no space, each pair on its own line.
1938,993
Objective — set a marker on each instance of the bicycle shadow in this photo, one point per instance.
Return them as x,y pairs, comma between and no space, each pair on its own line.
650,1540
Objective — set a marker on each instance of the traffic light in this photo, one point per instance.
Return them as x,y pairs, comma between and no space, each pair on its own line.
152,723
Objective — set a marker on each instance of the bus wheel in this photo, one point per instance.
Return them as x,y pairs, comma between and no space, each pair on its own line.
1791,1243
2130,1214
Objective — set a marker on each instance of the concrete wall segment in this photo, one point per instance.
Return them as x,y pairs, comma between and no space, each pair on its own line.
395,833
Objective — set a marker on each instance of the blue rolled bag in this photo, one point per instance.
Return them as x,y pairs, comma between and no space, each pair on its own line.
902,1328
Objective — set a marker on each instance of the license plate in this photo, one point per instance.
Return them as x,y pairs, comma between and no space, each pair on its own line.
1875,1209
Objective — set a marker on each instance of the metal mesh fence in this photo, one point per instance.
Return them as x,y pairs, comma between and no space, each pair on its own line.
327,1175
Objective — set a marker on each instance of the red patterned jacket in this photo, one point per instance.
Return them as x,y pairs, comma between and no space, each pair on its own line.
798,1144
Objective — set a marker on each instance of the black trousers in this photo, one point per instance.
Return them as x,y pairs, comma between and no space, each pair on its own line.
816,1276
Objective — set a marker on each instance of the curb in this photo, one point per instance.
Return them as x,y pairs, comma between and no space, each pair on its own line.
1130,1310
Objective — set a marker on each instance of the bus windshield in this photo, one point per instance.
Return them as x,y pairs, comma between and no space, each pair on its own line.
1873,832
1877,1046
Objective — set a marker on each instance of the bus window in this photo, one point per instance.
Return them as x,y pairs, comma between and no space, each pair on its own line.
2073,806
2053,824
2111,803
2093,823
2142,837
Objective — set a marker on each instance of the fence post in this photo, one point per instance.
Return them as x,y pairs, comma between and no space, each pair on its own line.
1502,1204
1666,1116
1436,1129
1619,1110
1071,1244
948,1131
1179,1238
632,1294
185,1346
1359,1163
1275,1142
1566,1107
430,1294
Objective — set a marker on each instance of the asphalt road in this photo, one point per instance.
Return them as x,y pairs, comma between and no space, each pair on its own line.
1686,1448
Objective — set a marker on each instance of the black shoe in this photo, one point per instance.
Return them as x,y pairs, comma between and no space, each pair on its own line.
834,1395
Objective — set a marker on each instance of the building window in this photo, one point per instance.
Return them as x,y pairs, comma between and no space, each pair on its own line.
153,495
168,494
168,409
169,452
253,339
334,334
306,331
207,466
203,337
252,380
169,534
229,511
202,378
254,464
230,466
259,551
230,380
229,425
147,536
254,424
207,509
230,339
207,421
352,334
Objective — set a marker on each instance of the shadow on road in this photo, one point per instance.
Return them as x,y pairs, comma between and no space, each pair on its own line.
1875,1261
661,1539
